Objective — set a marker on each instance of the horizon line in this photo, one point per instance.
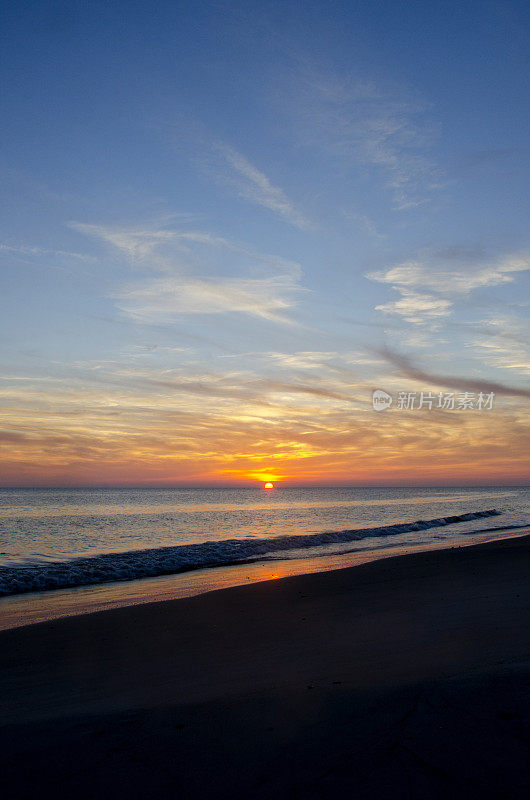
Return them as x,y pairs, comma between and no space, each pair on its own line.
277,484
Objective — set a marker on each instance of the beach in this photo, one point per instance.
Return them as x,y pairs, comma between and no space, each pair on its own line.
264,401
405,677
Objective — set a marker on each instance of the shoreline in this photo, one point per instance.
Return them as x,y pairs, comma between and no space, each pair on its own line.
21,610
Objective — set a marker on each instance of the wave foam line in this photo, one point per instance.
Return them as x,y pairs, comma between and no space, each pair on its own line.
181,558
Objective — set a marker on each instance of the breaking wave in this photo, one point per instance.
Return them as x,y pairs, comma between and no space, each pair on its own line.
181,558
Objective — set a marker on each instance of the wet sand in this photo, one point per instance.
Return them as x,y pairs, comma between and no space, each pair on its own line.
407,677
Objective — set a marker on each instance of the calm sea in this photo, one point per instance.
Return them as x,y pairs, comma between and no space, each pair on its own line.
58,539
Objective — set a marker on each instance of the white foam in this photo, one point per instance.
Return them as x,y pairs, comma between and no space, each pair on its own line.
180,558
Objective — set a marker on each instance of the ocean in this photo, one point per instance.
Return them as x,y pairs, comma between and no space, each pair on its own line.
52,539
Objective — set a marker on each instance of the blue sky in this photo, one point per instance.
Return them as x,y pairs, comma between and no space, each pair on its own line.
225,224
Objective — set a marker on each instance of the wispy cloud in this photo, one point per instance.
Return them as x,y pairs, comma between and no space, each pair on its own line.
501,356
367,125
415,307
38,252
301,360
440,278
428,288
205,274
366,223
194,237
136,243
406,367
252,184
164,299
191,426
144,243
504,343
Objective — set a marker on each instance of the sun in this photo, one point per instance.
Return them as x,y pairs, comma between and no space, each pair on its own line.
268,485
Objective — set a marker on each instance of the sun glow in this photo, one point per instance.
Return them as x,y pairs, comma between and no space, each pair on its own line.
268,485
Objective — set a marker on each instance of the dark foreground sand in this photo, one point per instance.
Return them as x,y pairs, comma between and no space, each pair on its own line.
404,678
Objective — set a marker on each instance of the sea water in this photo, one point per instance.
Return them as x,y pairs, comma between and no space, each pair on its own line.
54,539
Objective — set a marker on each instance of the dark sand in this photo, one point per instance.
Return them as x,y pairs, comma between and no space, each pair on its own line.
403,678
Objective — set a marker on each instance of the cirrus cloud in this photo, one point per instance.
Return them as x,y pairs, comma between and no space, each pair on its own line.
252,184
164,299
428,288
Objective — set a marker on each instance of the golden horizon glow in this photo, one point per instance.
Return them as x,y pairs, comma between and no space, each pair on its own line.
73,433
268,485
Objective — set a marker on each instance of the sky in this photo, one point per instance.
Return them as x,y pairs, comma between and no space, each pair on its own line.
225,225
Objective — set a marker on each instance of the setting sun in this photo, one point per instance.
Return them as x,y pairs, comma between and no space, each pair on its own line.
268,486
